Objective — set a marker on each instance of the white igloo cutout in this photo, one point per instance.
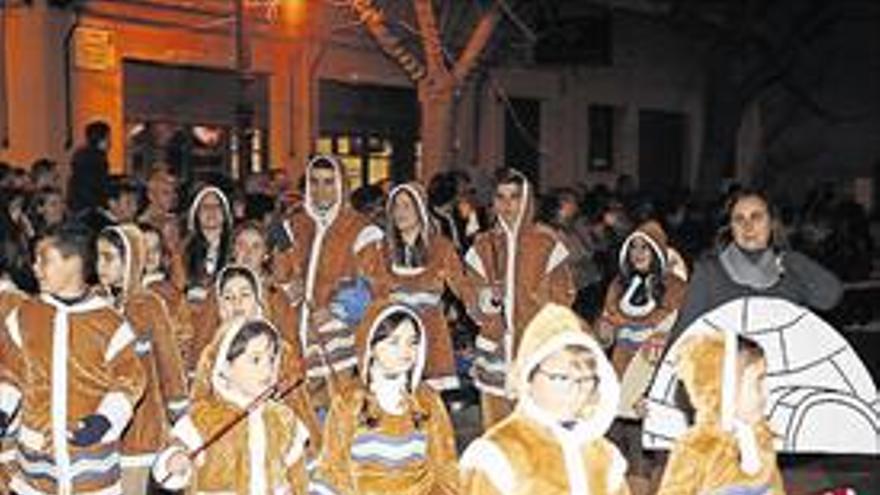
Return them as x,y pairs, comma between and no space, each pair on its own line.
822,397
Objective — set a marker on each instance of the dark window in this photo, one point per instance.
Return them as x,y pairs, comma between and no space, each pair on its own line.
601,122
522,137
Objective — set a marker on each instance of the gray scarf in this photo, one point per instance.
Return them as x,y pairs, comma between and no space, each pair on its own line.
757,272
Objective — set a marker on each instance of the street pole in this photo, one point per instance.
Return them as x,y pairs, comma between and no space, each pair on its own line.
244,107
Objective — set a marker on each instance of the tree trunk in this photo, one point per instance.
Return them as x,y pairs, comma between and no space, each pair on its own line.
437,120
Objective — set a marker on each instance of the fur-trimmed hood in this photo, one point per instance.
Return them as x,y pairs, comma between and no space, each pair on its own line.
375,315
341,189
197,200
653,234
552,329
219,368
134,255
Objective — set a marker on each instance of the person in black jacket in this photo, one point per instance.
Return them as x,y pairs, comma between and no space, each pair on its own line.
89,170
753,259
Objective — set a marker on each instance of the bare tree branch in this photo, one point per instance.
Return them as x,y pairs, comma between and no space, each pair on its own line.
431,43
476,43
374,20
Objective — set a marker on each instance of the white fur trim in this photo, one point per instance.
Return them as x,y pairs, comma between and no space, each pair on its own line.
14,328
415,299
309,288
421,356
297,445
609,387
137,461
659,253
485,457
123,337
444,383
160,471
10,396
338,178
31,439
728,384
557,257
749,458
617,473
116,407
20,486
197,200
574,465
368,235
473,260
185,430
257,451
60,339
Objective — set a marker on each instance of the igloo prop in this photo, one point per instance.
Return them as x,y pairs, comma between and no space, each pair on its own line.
822,398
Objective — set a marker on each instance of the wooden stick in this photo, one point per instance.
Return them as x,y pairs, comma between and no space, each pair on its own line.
270,392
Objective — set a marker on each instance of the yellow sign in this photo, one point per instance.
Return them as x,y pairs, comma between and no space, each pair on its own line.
94,49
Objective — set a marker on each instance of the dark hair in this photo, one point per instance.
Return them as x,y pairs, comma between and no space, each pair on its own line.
250,330
778,239
115,239
750,350
231,272
42,166
97,131
72,238
149,228
418,252
657,284
507,175
121,185
367,414
196,248
322,161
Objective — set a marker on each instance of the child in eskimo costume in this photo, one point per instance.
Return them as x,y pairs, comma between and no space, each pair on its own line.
239,295
70,369
420,266
12,262
552,444
640,307
261,454
121,253
393,434
729,449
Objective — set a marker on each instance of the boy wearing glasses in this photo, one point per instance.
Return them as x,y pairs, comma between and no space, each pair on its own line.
553,443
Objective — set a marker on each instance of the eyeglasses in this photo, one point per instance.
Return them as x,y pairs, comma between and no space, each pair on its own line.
567,382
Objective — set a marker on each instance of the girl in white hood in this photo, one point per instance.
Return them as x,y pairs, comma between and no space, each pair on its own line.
553,442
392,434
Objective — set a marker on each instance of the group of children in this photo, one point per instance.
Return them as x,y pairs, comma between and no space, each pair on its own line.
303,387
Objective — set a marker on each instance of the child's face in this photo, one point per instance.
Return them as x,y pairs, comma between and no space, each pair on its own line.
251,373
751,396
564,384
238,299
153,261
250,249
640,255
397,353
110,264
56,273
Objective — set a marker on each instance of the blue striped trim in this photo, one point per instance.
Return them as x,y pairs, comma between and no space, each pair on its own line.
320,487
389,451
416,436
388,463
744,490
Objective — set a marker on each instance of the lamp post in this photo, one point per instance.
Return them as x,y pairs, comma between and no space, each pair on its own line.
244,105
